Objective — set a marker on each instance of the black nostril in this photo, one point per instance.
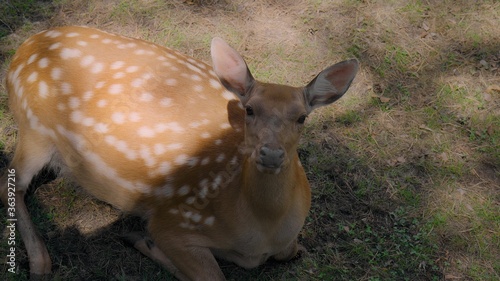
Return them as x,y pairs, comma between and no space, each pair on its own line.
281,154
271,157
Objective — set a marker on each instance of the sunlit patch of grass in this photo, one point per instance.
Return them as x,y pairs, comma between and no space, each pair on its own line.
124,10
468,221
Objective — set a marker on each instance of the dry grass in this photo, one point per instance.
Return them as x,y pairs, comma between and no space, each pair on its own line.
405,169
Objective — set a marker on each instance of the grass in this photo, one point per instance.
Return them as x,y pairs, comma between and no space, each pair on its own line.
404,169
18,13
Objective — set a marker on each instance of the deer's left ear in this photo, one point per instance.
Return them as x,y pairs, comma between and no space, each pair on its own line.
330,84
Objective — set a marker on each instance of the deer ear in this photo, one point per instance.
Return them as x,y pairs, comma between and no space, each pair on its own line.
231,69
330,84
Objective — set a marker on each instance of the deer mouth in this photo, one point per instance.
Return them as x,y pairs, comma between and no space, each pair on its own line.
268,169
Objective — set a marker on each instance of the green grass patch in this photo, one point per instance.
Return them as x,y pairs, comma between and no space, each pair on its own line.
16,13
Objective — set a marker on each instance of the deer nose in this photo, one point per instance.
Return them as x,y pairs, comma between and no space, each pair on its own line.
271,157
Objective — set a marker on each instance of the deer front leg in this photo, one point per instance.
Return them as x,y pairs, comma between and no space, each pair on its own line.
39,259
182,253
191,262
290,252
147,247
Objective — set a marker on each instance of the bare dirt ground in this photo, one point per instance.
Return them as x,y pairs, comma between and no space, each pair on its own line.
405,169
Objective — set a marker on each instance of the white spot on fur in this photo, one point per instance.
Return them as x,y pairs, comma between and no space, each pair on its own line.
147,76
203,192
115,89
184,190
101,128
136,83
164,168
145,153
100,84
228,95
87,60
76,116
88,121
190,200
66,88
205,161
33,77
234,160
217,181
193,161
43,62
117,64
175,146
215,84
166,102
146,132
74,102
121,146
134,117
53,33
102,103
159,149
118,75
118,117
96,68
194,125
195,69
56,73
132,68
171,82
67,53
140,52
200,65
225,126
32,58
181,159
171,126
220,158
209,221
198,88
43,89
196,217
87,95
146,97
54,46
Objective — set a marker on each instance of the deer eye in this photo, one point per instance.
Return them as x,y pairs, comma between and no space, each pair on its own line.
302,119
249,110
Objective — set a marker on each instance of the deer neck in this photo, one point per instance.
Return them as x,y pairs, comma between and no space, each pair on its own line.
268,195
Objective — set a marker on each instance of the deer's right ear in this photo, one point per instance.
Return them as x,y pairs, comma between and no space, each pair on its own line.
231,69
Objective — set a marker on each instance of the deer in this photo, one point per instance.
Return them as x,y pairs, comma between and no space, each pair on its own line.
207,155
